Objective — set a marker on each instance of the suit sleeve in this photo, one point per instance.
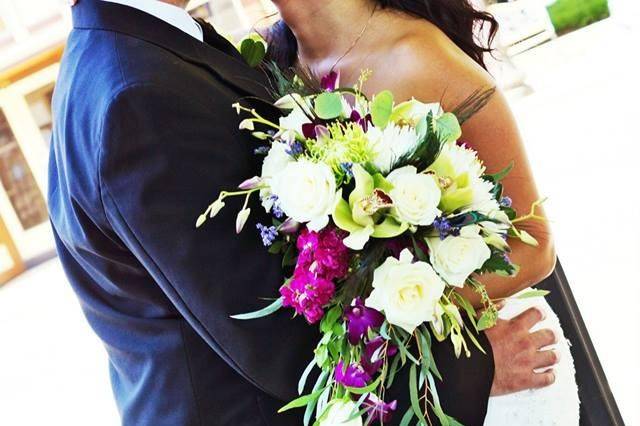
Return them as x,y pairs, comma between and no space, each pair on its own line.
164,158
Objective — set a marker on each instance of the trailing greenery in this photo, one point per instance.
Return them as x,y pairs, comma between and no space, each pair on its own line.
569,15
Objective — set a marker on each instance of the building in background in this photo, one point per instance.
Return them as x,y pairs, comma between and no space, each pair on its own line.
32,36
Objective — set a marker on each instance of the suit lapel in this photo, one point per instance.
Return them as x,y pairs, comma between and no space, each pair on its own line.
216,54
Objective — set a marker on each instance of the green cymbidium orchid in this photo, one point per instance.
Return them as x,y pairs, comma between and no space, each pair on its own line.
363,215
457,189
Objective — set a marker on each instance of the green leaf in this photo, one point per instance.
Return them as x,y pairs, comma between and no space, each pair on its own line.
413,393
328,105
487,320
393,369
497,177
448,128
330,319
381,109
369,388
533,293
262,312
289,258
253,51
406,419
301,401
305,375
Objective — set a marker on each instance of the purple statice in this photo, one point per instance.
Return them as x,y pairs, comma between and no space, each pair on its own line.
506,258
506,201
352,375
267,233
276,210
375,352
445,228
378,410
323,253
295,148
330,82
261,150
360,319
307,293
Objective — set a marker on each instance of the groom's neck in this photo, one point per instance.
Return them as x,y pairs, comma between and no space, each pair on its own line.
324,28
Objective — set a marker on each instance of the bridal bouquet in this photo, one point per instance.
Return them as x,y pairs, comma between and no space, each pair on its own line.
381,214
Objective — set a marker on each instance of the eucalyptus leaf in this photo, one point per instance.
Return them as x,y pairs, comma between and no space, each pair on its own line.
497,177
305,375
533,293
413,394
381,109
328,105
301,401
262,312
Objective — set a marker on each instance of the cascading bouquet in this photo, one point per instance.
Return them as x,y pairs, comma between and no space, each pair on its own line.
382,215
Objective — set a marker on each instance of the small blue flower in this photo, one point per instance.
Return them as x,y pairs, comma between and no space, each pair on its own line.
444,228
506,201
506,258
347,168
295,149
262,150
276,210
267,233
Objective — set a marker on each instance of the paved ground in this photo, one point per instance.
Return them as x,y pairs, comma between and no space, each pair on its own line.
53,370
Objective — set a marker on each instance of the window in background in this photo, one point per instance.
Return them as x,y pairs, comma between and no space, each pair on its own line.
18,181
39,103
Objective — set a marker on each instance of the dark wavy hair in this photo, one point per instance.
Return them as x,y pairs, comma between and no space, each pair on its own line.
458,19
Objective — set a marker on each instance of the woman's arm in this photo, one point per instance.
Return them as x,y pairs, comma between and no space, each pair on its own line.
438,70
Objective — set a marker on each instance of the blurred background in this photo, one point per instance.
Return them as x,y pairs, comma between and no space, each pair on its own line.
569,68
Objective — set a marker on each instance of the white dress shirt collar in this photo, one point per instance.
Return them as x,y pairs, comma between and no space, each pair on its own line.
169,13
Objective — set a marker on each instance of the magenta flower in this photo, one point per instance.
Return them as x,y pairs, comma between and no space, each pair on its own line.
352,375
330,82
323,253
379,410
375,353
360,319
307,293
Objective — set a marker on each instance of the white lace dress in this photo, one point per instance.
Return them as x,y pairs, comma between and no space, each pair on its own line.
557,404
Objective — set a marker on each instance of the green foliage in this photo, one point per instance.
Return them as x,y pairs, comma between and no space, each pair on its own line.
569,15
328,105
253,51
261,313
381,109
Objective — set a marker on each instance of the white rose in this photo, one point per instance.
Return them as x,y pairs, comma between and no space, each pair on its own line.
339,413
455,258
275,161
306,192
391,144
415,196
294,121
407,292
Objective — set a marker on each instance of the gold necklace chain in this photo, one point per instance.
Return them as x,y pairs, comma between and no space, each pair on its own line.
355,42
352,46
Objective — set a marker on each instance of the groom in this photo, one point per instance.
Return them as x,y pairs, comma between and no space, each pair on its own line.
144,132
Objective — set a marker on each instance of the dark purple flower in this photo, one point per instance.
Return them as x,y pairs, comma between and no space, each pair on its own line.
360,319
330,82
353,375
360,120
379,411
307,293
309,130
375,351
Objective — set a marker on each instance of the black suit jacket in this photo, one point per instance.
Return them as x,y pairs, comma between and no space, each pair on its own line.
144,138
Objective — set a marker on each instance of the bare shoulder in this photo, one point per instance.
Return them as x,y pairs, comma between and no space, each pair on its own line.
428,65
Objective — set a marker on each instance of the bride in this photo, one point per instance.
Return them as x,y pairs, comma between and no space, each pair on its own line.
428,49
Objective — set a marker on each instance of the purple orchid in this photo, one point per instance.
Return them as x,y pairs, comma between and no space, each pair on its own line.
379,410
375,352
330,82
360,319
352,375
